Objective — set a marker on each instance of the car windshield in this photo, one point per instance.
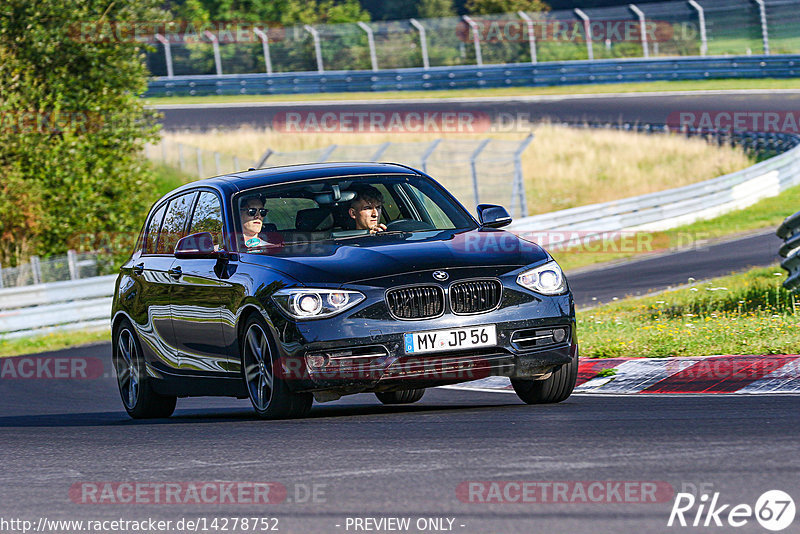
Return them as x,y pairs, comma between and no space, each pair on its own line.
344,209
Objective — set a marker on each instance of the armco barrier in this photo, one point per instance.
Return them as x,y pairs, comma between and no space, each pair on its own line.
74,304
467,77
789,231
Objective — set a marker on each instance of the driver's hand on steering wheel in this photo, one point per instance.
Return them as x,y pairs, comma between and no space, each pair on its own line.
380,227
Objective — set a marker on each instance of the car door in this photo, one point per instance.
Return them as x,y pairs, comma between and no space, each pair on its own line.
201,295
152,314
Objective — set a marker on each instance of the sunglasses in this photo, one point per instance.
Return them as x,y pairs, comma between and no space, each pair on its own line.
252,211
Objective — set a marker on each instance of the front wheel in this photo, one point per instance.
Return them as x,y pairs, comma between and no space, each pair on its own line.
270,395
556,388
138,397
407,396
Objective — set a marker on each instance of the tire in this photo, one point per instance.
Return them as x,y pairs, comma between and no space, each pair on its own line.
135,387
556,388
407,396
270,395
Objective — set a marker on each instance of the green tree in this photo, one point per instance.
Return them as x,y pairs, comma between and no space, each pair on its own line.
72,126
429,9
487,7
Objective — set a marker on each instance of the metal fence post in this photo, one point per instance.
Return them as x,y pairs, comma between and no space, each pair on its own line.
217,162
643,27
701,15
519,178
72,263
265,46
1,277
381,149
317,46
427,154
474,169
236,165
762,12
181,159
199,162
423,42
36,270
587,30
325,155
264,158
476,39
215,45
531,35
167,54
163,150
373,57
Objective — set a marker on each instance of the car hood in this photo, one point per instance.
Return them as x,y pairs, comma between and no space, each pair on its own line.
369,257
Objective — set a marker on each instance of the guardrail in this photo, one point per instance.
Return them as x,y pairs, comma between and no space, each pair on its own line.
468,77
682,205
67,305
789,231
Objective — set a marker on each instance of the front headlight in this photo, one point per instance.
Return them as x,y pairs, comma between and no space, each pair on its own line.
304,303
546,279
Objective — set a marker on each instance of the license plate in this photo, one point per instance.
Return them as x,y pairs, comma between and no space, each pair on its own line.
452,339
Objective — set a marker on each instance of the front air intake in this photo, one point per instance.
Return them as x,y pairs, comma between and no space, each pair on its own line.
475,296
416,302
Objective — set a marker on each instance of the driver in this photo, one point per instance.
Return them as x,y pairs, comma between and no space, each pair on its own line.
366,209
252,213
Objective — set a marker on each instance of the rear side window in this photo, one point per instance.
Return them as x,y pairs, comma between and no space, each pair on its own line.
208,216
174,226
151,239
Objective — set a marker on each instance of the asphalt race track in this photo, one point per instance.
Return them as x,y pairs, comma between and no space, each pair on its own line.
630,107
367,460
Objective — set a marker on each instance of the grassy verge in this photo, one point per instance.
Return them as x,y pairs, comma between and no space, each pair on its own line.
766,213
53,341
688,85
748,313
168,178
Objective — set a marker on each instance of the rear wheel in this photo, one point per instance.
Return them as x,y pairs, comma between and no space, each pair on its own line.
407,396
270,395
135,387
556,388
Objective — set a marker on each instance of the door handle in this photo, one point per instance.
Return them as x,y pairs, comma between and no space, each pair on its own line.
138,269
175,272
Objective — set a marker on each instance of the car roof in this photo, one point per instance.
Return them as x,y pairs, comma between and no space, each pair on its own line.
231,183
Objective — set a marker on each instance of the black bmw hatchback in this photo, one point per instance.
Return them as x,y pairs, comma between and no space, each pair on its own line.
307,282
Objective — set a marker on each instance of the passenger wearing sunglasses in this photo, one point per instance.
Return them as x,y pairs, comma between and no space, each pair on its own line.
253,213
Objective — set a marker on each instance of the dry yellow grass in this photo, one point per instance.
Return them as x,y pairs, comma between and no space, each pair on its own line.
563,167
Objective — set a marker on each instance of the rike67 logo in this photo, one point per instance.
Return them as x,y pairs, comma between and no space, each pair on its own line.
774,510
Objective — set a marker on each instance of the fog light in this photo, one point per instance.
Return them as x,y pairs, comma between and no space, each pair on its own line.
316,361
559,335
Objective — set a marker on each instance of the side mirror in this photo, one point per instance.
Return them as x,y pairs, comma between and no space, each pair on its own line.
493,216
197,246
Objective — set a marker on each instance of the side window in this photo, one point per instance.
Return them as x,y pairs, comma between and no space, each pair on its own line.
174,226
208,216
390,210
151,240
